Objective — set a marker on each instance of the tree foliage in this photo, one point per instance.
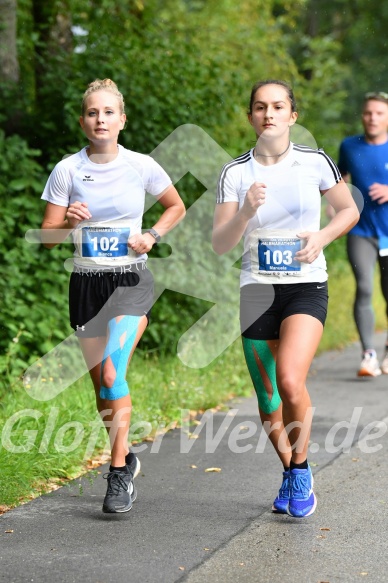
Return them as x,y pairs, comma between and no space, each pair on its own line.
176,62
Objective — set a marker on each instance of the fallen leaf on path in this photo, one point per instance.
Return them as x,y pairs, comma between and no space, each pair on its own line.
193,466
8,531
212,470
93,464
325,529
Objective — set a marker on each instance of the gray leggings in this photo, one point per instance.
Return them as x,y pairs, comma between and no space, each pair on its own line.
363,252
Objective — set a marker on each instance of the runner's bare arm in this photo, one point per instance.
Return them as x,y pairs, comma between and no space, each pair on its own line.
230,222
59,221
346,216
172,215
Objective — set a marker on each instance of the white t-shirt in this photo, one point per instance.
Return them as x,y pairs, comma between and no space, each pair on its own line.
292,205
115,193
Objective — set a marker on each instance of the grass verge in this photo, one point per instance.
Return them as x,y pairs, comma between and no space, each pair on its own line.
46,443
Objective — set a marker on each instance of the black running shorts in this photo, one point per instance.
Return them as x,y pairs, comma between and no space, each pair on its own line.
263,307
97,297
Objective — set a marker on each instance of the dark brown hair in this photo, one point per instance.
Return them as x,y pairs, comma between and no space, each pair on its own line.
259,84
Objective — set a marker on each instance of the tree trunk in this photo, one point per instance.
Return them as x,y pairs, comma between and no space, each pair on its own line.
9,65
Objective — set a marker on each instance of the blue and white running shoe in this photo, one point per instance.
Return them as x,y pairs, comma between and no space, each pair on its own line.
302,498
280,504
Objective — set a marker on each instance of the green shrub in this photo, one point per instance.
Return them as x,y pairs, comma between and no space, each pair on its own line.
32,289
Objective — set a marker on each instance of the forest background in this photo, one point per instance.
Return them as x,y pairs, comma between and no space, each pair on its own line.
176,62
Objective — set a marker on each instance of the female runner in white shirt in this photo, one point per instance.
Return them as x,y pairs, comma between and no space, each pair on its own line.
98,194
271,198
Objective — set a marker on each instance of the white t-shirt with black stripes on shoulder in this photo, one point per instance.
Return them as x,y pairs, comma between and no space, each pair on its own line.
292,206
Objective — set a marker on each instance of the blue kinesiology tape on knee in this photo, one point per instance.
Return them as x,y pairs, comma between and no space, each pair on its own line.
255,350
119,355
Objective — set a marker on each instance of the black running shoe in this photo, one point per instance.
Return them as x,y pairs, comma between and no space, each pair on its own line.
120,493
134,465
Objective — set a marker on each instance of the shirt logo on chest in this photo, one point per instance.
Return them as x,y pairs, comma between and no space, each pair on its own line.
87,179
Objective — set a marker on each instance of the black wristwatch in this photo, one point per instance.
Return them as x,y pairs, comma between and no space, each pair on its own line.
155,235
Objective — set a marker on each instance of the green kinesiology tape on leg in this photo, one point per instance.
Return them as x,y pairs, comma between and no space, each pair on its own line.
257,351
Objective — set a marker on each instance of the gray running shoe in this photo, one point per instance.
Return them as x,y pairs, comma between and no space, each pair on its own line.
120,492
134,465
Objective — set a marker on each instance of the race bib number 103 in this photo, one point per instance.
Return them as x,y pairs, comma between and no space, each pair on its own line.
277,255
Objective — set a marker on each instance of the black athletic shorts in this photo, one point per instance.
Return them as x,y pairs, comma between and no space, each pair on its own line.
97,297
263,307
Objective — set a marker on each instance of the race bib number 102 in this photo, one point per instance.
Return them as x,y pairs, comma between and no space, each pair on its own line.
277,255
104,242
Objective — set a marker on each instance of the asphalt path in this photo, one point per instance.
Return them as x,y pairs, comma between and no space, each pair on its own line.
193,525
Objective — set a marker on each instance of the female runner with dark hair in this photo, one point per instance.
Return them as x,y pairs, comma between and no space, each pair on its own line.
271,198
